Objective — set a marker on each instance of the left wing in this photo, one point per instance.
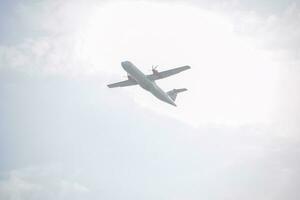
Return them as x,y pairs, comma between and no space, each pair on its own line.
128,82
167,73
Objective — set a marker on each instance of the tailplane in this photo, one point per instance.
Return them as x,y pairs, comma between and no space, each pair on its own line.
173,93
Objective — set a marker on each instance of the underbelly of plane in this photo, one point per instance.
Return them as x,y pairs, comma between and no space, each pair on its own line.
146,84
152,87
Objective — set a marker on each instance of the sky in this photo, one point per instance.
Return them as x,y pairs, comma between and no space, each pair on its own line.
234,135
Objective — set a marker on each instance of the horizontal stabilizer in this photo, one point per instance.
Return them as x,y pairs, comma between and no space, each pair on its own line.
173,93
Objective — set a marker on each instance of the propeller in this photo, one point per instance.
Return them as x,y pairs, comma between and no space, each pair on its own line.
154,69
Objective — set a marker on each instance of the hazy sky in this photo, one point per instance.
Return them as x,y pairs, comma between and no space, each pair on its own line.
234,135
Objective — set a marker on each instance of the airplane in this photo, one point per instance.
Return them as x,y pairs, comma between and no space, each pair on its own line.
147,82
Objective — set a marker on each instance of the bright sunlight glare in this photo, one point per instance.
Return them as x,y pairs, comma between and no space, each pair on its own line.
232,80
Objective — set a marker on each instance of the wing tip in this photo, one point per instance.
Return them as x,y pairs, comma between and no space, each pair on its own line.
109,86
185,67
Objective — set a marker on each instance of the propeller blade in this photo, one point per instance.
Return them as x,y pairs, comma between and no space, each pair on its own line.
154,67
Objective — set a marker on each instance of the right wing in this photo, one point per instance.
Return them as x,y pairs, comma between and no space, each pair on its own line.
167,73
128,82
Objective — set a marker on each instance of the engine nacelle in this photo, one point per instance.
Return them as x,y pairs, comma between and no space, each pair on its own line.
155,72
129,77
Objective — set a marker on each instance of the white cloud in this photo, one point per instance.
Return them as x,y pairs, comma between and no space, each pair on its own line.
279,34
41,182
237,163
277,31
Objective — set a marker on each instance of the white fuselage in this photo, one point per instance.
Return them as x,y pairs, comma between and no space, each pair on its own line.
146,83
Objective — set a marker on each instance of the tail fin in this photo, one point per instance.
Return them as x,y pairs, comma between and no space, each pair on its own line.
173,93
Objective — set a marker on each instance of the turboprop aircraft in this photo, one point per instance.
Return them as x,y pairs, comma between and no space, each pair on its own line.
147,82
